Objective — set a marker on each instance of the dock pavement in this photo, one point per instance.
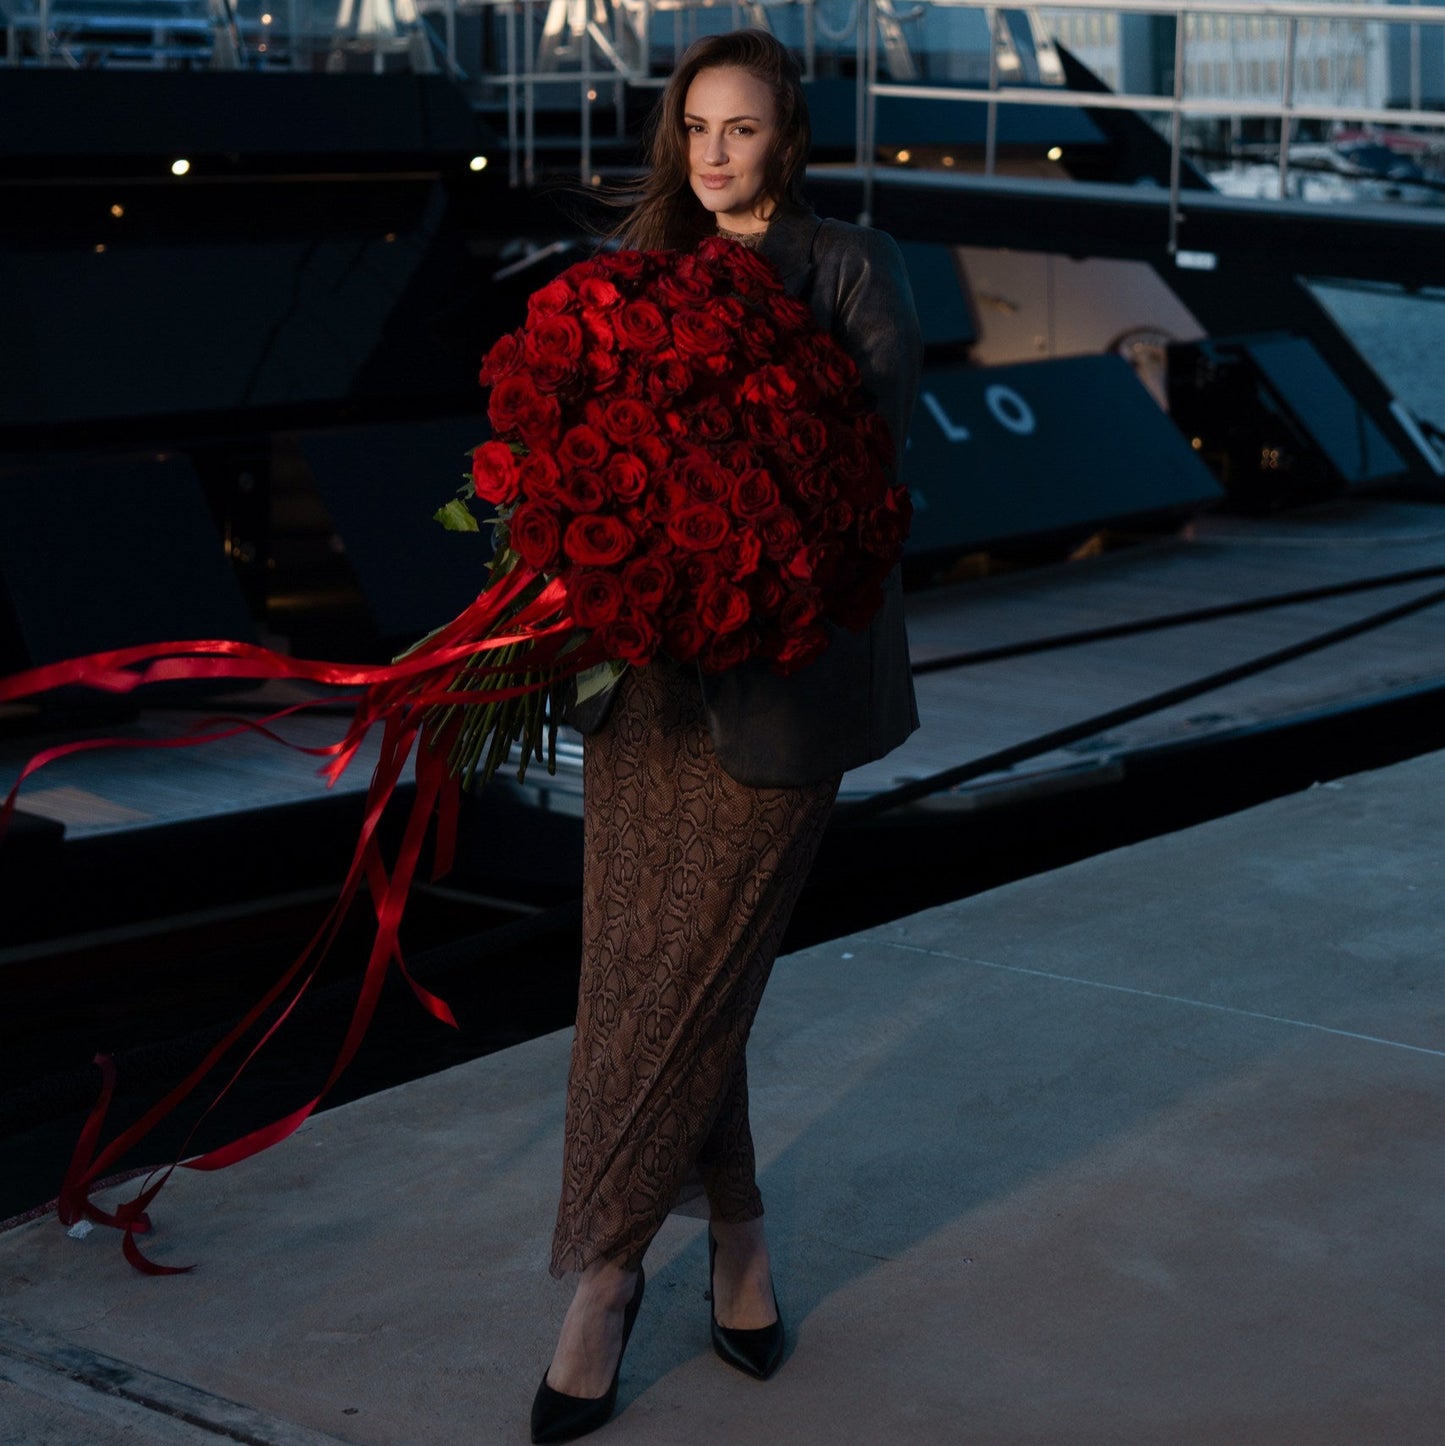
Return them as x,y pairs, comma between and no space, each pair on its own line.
1150,1149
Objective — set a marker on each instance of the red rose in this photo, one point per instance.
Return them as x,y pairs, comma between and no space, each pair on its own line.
665,496
596,596
759,339
779,531
582,489
849,458
654,452
647,581
703,477
701,334
641,327
808,438
539,478
627,419
814,486
667,380
517,406
831,367
502,360
740,554
553,336
550,300
495,473
683,637
539,424
534,535
754,493
885,529
799,611
699,527
723,608
630,637
627,265
791,314
602,369
727,651
750,270
582,447
596,540
683,288
815,562
771,387
767,593
711,421
510,398
697,571
625,476
598,293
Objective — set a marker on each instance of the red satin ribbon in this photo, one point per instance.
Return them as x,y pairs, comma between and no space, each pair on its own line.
398,696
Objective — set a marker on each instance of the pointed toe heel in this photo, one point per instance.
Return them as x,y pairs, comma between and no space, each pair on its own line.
756,1353
557,1416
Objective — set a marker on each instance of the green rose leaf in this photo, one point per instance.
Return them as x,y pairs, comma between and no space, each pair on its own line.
456,516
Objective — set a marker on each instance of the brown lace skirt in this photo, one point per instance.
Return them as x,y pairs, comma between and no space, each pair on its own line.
690,878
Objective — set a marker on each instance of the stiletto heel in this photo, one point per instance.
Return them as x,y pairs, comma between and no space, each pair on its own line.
757,1353
557,1416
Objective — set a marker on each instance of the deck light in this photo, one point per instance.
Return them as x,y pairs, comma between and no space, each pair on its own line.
478,163
180,167
117,210
904,157
266,18
1056,153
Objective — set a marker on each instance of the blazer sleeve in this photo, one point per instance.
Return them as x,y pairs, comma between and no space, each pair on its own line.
877,323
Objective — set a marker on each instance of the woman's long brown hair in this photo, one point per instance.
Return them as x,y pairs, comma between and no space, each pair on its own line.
665,214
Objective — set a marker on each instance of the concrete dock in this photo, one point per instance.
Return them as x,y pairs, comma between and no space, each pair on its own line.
1147,1150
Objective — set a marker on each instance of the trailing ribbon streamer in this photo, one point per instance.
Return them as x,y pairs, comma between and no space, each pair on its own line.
419,701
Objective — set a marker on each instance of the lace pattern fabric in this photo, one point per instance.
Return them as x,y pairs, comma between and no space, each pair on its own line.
690,878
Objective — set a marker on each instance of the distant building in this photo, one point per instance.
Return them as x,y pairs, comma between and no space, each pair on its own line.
1345,62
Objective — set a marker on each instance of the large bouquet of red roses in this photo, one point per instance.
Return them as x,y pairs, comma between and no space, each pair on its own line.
682,461
679,445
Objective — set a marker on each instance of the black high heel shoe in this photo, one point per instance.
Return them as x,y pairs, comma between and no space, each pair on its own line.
557,1416
757,1353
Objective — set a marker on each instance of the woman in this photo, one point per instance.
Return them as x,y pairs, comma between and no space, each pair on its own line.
705,797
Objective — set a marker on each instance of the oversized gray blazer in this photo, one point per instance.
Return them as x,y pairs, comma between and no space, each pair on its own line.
855,702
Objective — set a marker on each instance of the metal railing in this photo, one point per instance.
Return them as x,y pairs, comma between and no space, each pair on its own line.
1177,105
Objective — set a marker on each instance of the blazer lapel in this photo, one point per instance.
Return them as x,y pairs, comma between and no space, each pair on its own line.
788,244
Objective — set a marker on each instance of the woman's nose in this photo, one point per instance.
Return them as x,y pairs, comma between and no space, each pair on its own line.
714,153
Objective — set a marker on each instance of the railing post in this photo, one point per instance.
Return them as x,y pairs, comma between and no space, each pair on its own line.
990,138
585,93
514,159
868,86
1286,122
1176,132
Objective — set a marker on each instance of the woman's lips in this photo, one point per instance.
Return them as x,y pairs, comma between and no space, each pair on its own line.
713,183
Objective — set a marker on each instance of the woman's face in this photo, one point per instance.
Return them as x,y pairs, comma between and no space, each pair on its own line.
731,122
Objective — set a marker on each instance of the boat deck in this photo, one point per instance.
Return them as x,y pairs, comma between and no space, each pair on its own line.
1144,1150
